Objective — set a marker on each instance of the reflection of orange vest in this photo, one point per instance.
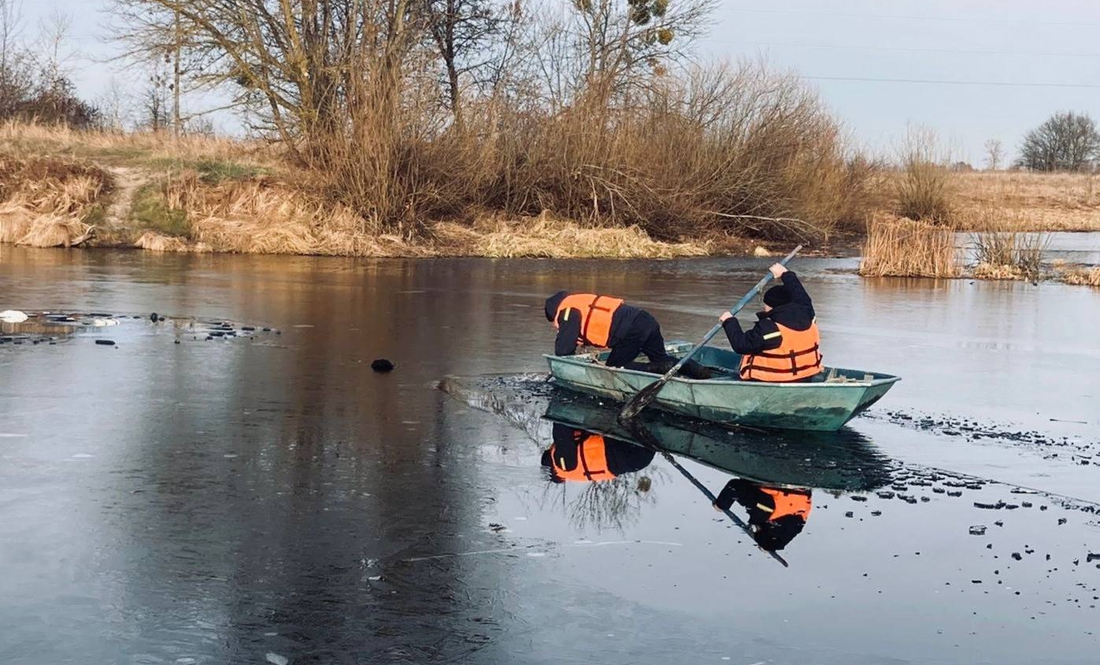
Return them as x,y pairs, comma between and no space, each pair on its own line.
597,312
788,503
798,357
591,461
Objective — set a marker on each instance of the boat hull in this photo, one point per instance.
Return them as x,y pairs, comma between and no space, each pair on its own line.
823,405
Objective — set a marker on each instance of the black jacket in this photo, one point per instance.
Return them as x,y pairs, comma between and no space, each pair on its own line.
569,327
797,315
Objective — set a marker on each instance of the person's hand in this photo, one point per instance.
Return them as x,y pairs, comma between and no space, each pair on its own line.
777,270
725,316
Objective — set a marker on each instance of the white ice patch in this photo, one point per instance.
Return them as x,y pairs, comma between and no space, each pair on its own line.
276,659
82,456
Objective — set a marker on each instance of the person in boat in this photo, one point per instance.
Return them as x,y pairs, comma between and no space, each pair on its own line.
784,345
607,322
579,456
776,515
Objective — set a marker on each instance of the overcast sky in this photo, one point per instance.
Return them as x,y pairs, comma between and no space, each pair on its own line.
970,69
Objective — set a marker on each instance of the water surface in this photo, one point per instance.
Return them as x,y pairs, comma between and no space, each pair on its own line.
267,496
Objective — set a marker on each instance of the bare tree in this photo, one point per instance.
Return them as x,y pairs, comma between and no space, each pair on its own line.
1067,141
16,77
613,46
461,30
305,64
994,154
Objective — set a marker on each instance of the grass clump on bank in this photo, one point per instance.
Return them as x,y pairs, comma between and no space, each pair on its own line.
899,247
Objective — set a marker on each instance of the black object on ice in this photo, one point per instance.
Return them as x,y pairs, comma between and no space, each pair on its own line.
105,342
382,365
153,317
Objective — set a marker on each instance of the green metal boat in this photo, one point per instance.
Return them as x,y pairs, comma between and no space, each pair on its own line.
824,404
844,461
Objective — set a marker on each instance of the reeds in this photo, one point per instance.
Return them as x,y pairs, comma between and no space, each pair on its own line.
907,248
1082,276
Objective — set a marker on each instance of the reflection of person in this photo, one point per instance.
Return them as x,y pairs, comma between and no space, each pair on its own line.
784,345
776,515
607,322
580,456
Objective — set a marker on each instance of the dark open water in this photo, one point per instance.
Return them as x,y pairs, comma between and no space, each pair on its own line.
268,497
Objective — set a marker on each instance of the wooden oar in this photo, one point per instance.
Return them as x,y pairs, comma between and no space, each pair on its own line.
646,438
645,396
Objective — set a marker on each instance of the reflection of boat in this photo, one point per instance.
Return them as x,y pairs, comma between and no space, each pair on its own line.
841,461
820,405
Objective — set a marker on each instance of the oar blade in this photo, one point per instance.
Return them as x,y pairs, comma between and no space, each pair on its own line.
641,400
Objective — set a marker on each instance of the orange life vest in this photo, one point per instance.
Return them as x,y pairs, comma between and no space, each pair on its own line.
797,358
597,312
788,502
591,461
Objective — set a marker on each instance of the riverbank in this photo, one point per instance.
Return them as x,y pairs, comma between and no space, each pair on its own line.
64,188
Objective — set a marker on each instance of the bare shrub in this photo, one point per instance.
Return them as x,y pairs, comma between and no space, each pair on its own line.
1009,255
926,189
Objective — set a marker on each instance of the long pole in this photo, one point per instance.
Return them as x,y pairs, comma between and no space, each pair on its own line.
645,396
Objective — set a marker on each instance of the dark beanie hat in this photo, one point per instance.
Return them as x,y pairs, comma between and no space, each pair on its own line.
777,296
552,304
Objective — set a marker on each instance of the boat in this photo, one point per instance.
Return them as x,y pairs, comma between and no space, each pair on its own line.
842,461
824,404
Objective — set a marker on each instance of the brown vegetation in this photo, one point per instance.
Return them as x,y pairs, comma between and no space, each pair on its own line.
925,187
46,202
1009,255
1082,276
1022,201
902,247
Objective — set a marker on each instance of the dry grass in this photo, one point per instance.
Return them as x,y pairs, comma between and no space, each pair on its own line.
157,242
905,248
1021,201
1081,276
268,216
143,147
45,202
544,237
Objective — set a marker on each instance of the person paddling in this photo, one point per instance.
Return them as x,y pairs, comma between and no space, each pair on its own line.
608,322
784,345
